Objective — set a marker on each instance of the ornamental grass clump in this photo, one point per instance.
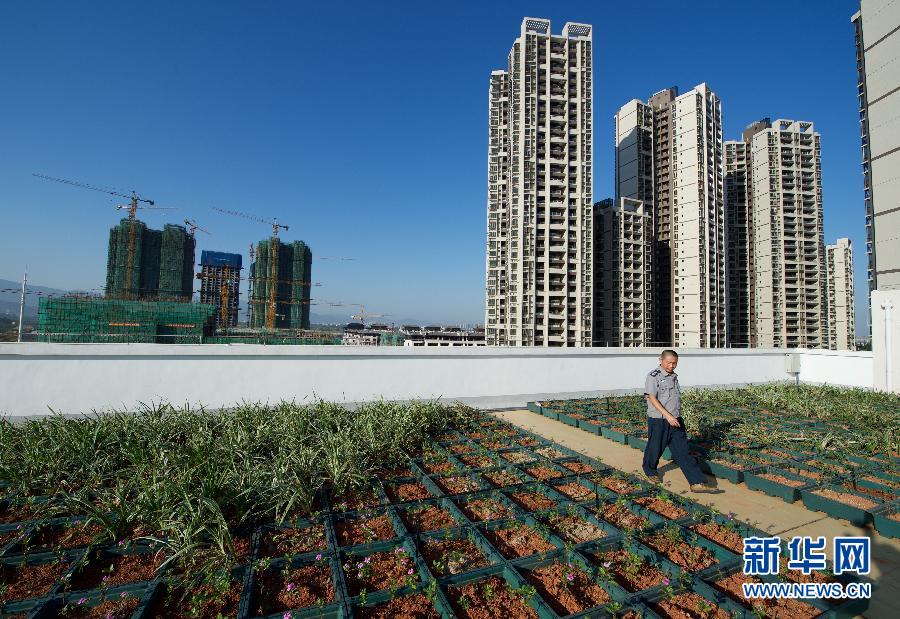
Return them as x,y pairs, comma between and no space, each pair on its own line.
191,478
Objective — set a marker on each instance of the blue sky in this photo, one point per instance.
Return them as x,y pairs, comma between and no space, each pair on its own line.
362,125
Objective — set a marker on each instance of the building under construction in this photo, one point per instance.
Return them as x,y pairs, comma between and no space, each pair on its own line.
98,319
220,285
281,272
162,263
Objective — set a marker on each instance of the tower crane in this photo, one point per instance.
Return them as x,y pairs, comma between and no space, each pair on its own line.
363,314
134,203
193,226
273,258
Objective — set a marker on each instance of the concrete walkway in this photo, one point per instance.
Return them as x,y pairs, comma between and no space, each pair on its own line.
760,510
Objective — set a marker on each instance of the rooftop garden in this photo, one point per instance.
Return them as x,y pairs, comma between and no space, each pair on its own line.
289,511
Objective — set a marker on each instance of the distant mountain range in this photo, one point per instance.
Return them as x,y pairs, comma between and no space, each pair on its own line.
10,293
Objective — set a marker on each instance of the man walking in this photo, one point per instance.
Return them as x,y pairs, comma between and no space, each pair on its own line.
664,426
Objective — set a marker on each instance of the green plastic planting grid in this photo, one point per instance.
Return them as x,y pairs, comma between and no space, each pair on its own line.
525,522
788,472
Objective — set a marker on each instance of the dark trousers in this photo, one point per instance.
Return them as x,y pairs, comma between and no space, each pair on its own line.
661,435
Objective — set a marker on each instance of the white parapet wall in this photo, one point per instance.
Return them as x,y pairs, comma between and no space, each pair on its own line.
75,378
886,339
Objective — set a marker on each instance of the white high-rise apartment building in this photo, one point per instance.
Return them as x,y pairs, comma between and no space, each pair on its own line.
841,314
877,25
739,216
696,216
669,156
789,270
539,255
623,303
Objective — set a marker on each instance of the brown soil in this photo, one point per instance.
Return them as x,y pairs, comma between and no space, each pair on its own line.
532,501
517,457
486,508
353,500
810,473
28,581
579,467
775,608
894,516
502,478
241,545
568,590
574,529
637,578
112,570
576,491
63,537
293,541
526,442
364,529
883,482
722,536
407,607
475,435
550,452
437,467
622,517
518,540
202,603
426,518
457,485
487,599
777,453
395,472
778,479
476,462
689,605
453,556
543,472
461,448
882,495
384,570
495,445
617,485
8,537
690,558
666,509
299,588
737,466
409,491
846,498
799,576
16,513
110,609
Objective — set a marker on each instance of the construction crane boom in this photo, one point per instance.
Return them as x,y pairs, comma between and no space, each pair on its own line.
132,207
193,226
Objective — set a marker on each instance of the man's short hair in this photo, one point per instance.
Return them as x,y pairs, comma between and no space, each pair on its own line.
668,353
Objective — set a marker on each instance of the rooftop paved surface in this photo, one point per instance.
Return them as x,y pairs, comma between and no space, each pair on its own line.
765,512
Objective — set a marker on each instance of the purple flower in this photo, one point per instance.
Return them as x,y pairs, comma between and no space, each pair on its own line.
105,578
570,576
82,600
287,616
666,581
319,557
121,542
607,564
359,565
290,586
368,560
410,572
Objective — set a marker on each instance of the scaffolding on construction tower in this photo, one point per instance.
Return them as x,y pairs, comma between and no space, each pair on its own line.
98,319
220,279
